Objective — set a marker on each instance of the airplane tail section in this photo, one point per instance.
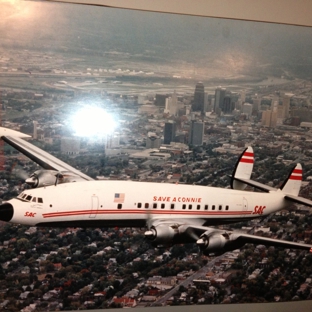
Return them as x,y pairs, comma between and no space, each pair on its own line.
243,169
292,184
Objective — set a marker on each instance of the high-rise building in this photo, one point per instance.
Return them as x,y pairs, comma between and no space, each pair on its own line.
199,98
196,133
152,141
160,100
247,109
35,132
243,96
172,105
169,132
286,106
228,105
112,141
256,105
219,99
269,118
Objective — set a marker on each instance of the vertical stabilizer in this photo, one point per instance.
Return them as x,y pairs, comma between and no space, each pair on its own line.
293,183
243,169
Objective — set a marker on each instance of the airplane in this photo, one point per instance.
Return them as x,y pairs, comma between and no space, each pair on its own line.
62,196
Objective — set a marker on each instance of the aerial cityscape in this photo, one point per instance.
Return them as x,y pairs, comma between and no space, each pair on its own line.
136,96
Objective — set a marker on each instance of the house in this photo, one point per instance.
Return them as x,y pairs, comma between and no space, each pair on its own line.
24,295
125,302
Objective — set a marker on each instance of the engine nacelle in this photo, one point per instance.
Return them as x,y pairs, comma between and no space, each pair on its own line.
162,234
42,178
218,243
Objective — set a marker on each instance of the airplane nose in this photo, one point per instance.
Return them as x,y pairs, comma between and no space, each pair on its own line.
6,212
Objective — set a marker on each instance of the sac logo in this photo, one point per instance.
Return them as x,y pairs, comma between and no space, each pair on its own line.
30,214
259,210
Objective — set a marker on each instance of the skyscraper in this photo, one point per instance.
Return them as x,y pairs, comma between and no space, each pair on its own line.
196,133
199,98
169,132
172,105
286,106
269,118
219,99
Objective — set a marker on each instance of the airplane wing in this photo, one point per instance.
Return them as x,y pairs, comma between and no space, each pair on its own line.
209,239
42,158
219,241
248,238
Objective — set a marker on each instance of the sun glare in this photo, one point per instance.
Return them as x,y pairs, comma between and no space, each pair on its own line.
93,122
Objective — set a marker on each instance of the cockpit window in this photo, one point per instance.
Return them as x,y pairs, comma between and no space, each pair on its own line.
34,199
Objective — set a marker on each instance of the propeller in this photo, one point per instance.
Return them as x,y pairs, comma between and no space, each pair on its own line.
149,222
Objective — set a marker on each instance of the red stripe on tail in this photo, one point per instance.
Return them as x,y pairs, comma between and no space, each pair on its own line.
246,160
248,154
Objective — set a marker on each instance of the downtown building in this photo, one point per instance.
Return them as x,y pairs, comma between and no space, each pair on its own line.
219,100
169,132
196,133
199,98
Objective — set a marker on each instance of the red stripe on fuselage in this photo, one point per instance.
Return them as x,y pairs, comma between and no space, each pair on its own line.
144,212
248,154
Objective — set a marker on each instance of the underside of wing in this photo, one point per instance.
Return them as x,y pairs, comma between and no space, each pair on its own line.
42,158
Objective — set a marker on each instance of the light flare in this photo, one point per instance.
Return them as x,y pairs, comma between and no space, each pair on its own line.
93,122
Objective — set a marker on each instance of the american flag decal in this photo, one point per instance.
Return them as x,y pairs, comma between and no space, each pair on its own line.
119,197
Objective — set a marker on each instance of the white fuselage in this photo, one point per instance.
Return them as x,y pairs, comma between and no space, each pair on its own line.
127,203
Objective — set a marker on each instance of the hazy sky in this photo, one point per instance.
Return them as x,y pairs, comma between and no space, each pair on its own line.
228,43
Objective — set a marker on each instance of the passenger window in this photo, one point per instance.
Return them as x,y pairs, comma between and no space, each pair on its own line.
146,205
206,207
226,207
162,206
190,206
213,207
119,206
198,207
172,206
220,207
183,206
139,205
154,205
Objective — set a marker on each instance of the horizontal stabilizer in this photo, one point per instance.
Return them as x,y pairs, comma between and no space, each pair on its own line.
299,200
257,185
